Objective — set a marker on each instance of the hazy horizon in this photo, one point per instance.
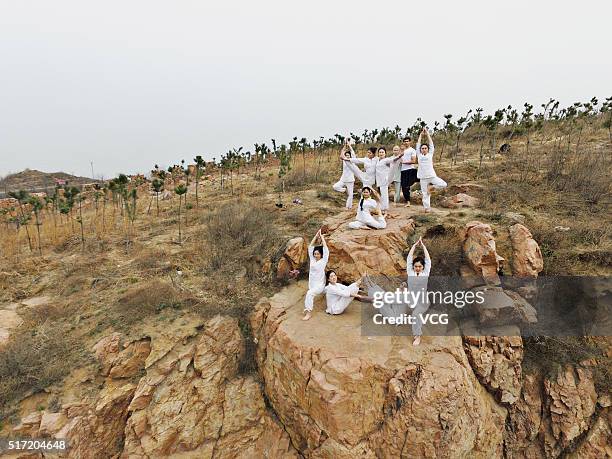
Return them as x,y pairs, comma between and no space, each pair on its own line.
126,85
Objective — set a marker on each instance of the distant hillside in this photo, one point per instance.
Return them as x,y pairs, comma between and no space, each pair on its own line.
33,181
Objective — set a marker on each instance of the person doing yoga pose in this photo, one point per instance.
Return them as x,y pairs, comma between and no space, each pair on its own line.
367,206
319,256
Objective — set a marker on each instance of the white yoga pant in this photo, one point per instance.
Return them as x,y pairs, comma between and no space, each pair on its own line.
398,188
343,302
368,221
348,187
436,182
384,197
417,326
310,296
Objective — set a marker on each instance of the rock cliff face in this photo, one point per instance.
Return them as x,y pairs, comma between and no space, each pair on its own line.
323,390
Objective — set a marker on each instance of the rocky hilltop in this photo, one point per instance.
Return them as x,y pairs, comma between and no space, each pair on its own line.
321,389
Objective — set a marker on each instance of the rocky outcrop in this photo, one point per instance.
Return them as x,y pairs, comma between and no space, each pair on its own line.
497,360
92,429
340,394
503,307
192,401
571,401
527,258
294,256
460,201
480,251
121,363
353,252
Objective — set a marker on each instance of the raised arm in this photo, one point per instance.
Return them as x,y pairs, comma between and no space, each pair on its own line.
427,266
409,259
418,145
325,248
429,142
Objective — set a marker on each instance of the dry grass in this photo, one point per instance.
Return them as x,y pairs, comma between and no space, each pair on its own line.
35,358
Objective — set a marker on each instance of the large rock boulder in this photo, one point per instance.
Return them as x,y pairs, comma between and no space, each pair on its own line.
340,394
294,256
480,251
503,307
527,258
375,251
460,201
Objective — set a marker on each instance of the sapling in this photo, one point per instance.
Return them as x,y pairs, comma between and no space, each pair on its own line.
22,197
36,206
180,190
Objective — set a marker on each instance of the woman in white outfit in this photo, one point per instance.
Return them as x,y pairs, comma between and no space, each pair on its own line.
347,180
339,296
426,173
395,176
319,255
367,206
369,163
383,169
417,269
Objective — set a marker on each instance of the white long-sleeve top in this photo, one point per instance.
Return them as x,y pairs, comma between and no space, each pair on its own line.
409,154
383,168
335,294
316,274
369,205
347,174
369,166
418,282
426,168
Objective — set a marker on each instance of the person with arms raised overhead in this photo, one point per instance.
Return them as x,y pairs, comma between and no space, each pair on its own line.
426,173
349,170
417,270
319,256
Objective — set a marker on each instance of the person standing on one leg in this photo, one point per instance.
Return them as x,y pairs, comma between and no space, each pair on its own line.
408,169
426,173
418,270
383,169
367,206
347,180
339,296
369,163
319,257
395,176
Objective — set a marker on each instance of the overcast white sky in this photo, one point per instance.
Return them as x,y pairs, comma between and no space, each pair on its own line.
127,84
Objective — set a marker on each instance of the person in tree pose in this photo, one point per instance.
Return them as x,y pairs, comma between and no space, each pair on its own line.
349,170
339,296
369,163
367,206
408,168
395,176
319,255
417,270
383,170
426,173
